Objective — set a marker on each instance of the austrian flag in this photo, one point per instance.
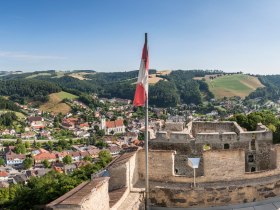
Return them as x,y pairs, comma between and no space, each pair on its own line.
141,93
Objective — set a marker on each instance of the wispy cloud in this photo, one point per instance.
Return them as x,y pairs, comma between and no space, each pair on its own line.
27,56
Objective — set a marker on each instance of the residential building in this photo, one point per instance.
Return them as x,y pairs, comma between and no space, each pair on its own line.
14,159
44,155
112,127
4,176
36,122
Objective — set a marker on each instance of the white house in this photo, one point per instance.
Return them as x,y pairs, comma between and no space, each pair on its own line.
112,127
14,159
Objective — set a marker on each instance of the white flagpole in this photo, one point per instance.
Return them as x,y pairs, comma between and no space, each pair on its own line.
146,141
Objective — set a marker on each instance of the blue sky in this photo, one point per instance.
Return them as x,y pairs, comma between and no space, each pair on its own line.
239,35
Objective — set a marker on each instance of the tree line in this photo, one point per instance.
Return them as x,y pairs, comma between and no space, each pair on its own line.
265,117
21,90
271,91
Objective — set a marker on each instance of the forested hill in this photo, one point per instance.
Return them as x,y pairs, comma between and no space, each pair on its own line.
271,90
24,89
167,88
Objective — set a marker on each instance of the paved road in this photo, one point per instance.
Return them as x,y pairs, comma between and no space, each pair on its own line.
269,204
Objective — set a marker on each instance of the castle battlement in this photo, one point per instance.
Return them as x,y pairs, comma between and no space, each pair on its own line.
211,132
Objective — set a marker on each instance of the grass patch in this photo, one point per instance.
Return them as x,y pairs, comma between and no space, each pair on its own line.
63,95
55,104
233,85
18,114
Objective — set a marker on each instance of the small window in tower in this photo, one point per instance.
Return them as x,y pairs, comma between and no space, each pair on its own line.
253,169
226,146
251,158
253,144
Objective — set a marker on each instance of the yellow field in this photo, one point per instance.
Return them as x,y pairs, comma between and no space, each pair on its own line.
164,72
153,79
80,75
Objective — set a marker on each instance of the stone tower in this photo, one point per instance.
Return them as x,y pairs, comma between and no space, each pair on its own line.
103,123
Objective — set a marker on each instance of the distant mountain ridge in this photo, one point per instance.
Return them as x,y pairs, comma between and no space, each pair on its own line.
167,89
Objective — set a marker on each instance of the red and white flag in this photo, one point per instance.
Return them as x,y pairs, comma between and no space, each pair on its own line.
141,93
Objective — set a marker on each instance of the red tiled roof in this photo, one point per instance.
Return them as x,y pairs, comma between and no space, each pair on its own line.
3,174
84,125
114,124
71,120
45,156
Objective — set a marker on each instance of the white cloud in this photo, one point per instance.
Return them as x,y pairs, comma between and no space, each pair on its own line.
27,56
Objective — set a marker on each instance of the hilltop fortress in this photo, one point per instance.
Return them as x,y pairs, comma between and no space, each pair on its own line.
197,137
236,166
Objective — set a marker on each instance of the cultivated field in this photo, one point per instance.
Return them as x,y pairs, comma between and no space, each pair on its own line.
81,75
55,103
233,85
153,79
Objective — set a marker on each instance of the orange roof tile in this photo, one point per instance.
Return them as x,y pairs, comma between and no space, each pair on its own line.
114,124
44,156
3,174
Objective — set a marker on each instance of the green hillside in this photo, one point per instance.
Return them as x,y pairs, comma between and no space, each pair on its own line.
55,103
233,85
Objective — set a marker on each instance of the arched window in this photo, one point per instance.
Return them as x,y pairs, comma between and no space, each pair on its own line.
226,146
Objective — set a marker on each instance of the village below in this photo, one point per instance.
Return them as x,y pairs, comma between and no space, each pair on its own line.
54,144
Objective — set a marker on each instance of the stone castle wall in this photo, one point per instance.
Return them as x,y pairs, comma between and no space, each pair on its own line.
224,182
86,196
224,164
161,164
215,165
223,135
124,173
98,198
174,126
210,127
175,196
214,132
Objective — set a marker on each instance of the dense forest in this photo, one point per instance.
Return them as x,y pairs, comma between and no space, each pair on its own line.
177,87
24,89
271,90
7,104
7,119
